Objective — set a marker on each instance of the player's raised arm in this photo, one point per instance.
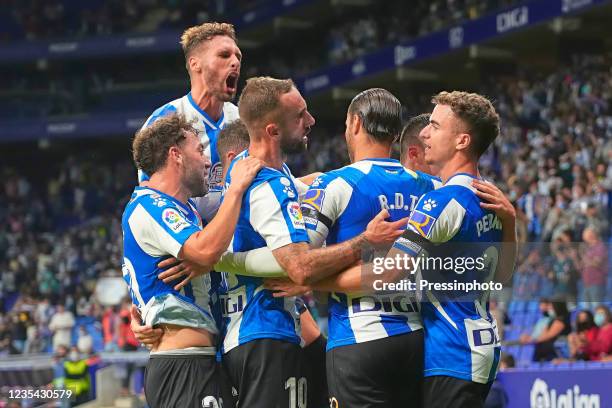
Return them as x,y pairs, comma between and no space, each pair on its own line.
207,246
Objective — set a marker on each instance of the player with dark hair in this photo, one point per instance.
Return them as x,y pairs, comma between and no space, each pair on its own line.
160,221
411,146
372,349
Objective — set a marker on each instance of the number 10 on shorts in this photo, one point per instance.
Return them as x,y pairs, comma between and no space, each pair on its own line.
298,390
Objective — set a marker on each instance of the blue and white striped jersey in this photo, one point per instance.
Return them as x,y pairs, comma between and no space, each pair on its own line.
337,207
155,227
208,129
270,216
461,338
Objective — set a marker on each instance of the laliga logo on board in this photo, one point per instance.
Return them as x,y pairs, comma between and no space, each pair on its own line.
542,397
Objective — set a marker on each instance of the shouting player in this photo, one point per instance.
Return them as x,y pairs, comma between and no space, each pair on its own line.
160,221
213,60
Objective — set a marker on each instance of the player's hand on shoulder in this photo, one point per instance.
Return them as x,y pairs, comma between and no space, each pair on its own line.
180,269
284,287
380,231
495,200
146,335
243,173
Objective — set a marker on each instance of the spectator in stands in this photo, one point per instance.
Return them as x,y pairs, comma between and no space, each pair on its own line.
126,339
594,267
19,331
6,344
564,274
35,342
544,320
84,341
559,326
110,328
600,348
586,332
61,325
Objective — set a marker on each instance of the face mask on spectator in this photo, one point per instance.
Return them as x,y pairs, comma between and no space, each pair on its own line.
73,356
600,319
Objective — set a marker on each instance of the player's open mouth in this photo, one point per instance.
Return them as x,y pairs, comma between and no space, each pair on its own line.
232,82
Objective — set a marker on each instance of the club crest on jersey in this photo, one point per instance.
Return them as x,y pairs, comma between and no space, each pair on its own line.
316,182
314,199
429,204
174,220
159,201
295,214
421,223
287,189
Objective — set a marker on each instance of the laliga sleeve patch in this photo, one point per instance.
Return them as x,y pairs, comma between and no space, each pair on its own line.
174,220
421,223
295,215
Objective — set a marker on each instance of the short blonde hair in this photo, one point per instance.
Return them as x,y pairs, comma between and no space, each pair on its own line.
193,37
261,97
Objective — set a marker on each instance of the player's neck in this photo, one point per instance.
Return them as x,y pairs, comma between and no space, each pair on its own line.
458,165
169,184
206,101
267,151
371,151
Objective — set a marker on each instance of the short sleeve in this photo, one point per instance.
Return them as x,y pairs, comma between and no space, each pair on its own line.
324,202
160,227
275,213
437,217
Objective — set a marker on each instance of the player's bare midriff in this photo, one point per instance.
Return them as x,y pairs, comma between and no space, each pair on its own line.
181,337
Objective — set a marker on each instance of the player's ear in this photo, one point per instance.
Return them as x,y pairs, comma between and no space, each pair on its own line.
230,155
463,141
194,64
356,123
272,130
174,154
413,152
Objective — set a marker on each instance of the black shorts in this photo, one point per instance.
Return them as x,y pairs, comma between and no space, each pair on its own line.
190,380
448,392
267,373
384,373
228,391
316,376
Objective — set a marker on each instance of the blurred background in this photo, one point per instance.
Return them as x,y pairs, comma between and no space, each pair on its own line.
78,78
